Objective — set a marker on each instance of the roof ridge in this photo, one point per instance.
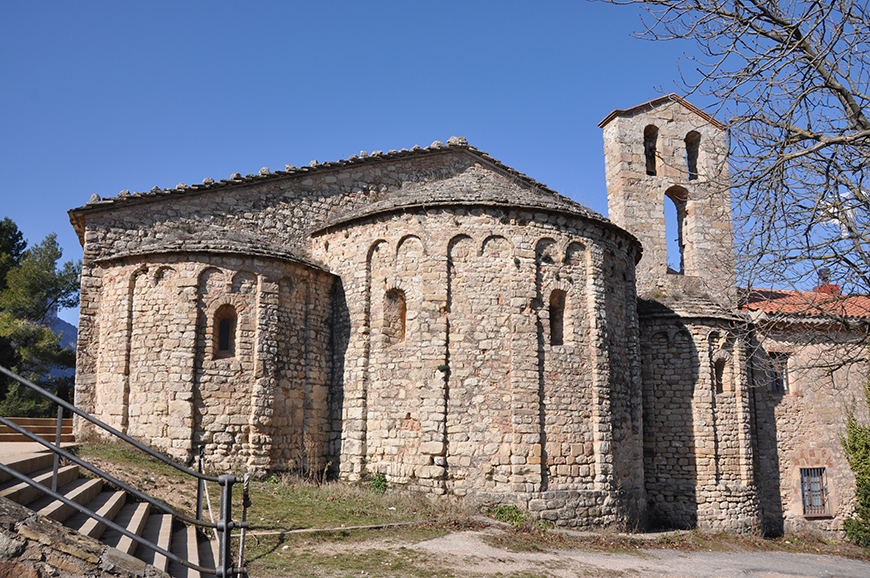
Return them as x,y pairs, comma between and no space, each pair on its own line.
454,143
657,101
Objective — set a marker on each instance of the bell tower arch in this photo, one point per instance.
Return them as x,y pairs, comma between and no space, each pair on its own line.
667,153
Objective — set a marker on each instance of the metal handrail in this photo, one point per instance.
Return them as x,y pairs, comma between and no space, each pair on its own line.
224,526
107,427
108,477
80,508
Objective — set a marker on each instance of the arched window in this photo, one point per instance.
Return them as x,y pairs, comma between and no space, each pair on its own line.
650,136
395,312
225,321
675,218
719,375
693,141
557,317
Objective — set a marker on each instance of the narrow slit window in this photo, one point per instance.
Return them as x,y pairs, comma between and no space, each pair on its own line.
675,218
650,136
719,375
224,335
693,143
225,332
777,373
557,317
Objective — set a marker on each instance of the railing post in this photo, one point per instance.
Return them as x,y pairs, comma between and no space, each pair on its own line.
199,484
57,444
225,526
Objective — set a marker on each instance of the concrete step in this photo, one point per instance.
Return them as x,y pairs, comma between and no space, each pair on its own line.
157,531
15,437
80,491
185,544
208,553
26,463
45,428
31,422
24,493
42,431
107,505
133,518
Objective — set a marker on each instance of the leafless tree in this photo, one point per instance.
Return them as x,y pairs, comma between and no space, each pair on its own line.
791,79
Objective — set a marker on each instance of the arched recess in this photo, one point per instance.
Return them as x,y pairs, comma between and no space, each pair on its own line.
212,282
496,246
693,145
546,252
244,282
460,248
678,216
395,317
722,374
410,246
377,259
151,363
650,136
575,254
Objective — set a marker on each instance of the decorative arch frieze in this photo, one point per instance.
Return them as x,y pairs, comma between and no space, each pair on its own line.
496,246
244,282
409,245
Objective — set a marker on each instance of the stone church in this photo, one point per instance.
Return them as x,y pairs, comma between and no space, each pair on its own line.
436,316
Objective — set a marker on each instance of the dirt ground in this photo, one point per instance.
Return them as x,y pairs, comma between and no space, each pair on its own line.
469,551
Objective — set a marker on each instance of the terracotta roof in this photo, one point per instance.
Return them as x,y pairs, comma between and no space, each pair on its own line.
657,101
826,301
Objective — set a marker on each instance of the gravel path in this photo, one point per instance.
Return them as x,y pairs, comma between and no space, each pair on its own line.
468,551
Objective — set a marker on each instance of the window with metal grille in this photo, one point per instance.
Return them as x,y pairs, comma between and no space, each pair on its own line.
814,490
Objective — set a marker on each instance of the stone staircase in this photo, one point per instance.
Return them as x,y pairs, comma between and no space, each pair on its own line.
44,427
118,506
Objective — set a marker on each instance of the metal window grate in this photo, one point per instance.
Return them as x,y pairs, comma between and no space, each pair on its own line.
814,490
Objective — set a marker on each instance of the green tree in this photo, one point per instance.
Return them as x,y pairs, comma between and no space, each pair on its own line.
12,245
857,447
34,288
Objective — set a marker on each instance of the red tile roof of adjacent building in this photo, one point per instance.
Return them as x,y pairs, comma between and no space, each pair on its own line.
824,301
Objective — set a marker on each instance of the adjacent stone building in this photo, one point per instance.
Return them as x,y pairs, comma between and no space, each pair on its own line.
436,316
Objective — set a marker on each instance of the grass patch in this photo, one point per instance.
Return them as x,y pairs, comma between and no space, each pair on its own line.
285,502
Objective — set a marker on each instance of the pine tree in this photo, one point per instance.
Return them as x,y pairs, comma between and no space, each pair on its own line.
32,289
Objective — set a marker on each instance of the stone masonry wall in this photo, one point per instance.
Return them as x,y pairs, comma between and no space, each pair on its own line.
479,397
802,426
161,378
636,200
697,448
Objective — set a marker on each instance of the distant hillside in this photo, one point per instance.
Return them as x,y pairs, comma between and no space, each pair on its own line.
68,339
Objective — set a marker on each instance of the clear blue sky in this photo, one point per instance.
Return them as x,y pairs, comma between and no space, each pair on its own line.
97,97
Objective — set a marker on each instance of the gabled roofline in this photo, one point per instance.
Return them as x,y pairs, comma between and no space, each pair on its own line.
654,103
454,144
